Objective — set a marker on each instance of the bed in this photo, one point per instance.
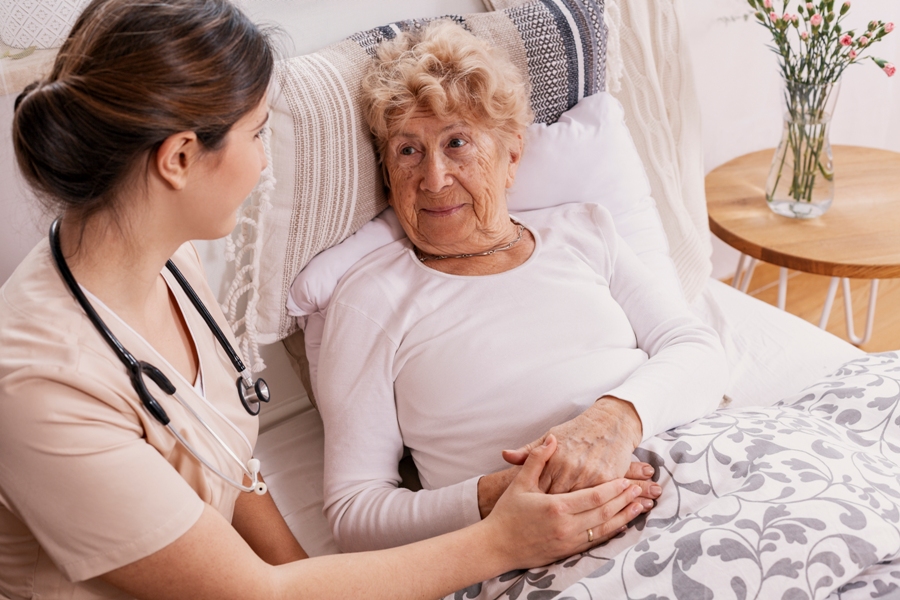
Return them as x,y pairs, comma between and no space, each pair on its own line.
790,491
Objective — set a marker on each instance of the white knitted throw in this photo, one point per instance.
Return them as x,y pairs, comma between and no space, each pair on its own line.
649,72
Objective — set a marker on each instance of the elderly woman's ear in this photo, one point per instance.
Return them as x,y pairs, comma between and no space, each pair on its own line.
515,157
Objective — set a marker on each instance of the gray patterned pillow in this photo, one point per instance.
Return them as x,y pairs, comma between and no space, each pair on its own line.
324,184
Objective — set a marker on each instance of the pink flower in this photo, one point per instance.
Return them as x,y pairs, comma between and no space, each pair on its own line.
816,20
890,69
773,16
888,27
852,54
846,6
863,41
810,6
768,3
804,36
846,40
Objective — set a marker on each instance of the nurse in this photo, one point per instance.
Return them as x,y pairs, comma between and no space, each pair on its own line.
146,135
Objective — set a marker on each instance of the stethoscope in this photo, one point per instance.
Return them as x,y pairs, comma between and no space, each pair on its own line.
250,393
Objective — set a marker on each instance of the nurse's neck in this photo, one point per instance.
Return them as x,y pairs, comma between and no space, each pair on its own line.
118,254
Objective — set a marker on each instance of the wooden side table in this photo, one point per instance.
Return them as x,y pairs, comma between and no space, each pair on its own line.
859,236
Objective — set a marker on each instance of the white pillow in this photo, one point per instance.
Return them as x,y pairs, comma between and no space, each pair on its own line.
588,155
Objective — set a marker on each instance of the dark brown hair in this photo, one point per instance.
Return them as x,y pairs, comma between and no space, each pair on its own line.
130,74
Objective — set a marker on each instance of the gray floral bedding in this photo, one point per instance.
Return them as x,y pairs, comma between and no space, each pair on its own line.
796,501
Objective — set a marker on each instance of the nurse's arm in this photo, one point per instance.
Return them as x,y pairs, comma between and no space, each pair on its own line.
527,528
260,523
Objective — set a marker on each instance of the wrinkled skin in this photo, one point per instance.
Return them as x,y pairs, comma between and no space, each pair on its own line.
448,182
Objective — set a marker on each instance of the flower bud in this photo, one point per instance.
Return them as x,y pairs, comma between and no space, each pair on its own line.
816,20
845,7
889,69
830,17
888,27
846,40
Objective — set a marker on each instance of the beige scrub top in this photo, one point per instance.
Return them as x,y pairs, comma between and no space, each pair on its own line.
89,480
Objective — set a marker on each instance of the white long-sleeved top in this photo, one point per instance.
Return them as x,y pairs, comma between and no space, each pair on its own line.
457,368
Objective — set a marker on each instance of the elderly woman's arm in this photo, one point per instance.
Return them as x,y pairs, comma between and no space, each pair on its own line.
363,445
684,379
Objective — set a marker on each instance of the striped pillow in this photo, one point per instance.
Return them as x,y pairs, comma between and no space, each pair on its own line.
324,183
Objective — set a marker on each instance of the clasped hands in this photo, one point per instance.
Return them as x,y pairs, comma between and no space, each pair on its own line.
593,448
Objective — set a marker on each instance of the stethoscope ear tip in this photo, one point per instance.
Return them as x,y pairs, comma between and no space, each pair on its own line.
260,488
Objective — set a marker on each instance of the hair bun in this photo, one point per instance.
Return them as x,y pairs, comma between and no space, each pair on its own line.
28,89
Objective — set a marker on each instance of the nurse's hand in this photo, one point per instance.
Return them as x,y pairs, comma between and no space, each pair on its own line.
594,447
538,528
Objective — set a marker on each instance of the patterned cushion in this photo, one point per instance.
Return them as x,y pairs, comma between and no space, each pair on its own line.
324,183
39,23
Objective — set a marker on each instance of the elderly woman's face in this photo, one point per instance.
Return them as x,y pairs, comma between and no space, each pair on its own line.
448,183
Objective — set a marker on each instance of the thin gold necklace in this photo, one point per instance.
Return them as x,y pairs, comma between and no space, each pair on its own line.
424,257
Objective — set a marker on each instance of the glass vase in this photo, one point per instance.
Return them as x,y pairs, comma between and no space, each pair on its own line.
801,180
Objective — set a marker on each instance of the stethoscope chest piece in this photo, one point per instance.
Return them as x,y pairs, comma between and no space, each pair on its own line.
252,394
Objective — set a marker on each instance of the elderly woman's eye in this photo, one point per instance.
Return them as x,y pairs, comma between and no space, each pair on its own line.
457,143
407,151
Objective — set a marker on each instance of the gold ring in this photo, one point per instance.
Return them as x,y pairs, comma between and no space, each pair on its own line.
590,533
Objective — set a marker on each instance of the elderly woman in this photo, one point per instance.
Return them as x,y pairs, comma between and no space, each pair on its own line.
484,331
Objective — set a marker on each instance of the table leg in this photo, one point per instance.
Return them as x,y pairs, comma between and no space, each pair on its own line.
870,315
829,302
782,287
736,281
742,283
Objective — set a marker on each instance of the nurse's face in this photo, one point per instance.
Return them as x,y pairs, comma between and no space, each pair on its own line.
231,173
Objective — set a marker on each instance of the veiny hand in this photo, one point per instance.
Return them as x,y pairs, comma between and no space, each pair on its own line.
594,448
536,528
491,487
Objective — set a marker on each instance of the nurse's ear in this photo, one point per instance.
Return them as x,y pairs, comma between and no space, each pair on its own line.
175,156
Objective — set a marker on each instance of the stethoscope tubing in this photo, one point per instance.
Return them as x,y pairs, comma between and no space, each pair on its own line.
201,308
137,369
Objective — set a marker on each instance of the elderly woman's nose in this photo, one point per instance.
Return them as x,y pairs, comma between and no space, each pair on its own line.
436,175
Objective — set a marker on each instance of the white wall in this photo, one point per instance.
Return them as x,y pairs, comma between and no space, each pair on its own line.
21,224
737,82
740,89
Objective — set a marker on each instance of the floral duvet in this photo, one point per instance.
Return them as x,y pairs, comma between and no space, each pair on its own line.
797,501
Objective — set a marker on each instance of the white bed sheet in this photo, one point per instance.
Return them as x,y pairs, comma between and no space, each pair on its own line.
772,354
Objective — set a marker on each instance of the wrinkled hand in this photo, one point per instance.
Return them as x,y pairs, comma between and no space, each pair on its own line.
532,528
593,448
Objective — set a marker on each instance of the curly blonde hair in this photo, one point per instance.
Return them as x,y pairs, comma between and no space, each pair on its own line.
445,69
